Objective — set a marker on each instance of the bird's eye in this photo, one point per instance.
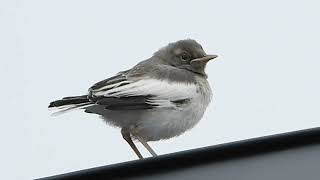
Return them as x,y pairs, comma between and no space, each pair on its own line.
185,57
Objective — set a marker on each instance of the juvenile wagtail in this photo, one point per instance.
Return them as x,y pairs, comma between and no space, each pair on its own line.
159,98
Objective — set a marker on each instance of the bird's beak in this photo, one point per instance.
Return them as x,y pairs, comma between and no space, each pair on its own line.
204,59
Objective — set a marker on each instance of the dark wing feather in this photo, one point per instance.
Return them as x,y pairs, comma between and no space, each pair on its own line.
118,103
121,76
125,103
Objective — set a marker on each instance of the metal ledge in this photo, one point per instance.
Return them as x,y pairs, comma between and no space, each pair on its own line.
199,157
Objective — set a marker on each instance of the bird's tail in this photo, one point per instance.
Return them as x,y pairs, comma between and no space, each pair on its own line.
67,104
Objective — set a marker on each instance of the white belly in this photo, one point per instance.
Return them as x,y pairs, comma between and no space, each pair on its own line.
167,123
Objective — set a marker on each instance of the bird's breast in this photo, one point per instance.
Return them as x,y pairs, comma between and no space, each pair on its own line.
169,122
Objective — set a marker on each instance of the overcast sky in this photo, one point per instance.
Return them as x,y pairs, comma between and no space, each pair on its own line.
265,81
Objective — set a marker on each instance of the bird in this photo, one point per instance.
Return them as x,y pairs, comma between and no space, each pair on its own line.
157,99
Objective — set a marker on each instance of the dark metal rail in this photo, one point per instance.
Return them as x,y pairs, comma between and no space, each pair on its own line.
190,158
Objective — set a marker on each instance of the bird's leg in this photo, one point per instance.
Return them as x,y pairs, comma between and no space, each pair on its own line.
146,145
126,136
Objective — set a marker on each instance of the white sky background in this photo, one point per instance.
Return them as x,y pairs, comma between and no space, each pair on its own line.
266,80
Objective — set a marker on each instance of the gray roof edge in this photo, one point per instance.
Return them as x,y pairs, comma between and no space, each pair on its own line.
190,158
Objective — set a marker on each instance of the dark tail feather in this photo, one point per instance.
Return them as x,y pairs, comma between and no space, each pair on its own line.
69,103
74,100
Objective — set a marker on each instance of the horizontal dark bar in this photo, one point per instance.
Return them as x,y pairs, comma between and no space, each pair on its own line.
190,158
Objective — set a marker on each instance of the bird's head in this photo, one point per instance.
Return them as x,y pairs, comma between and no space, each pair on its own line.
185,54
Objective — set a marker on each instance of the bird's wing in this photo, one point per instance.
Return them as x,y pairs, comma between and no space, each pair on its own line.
120,92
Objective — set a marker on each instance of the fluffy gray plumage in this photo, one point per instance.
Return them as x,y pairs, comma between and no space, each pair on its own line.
159,98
